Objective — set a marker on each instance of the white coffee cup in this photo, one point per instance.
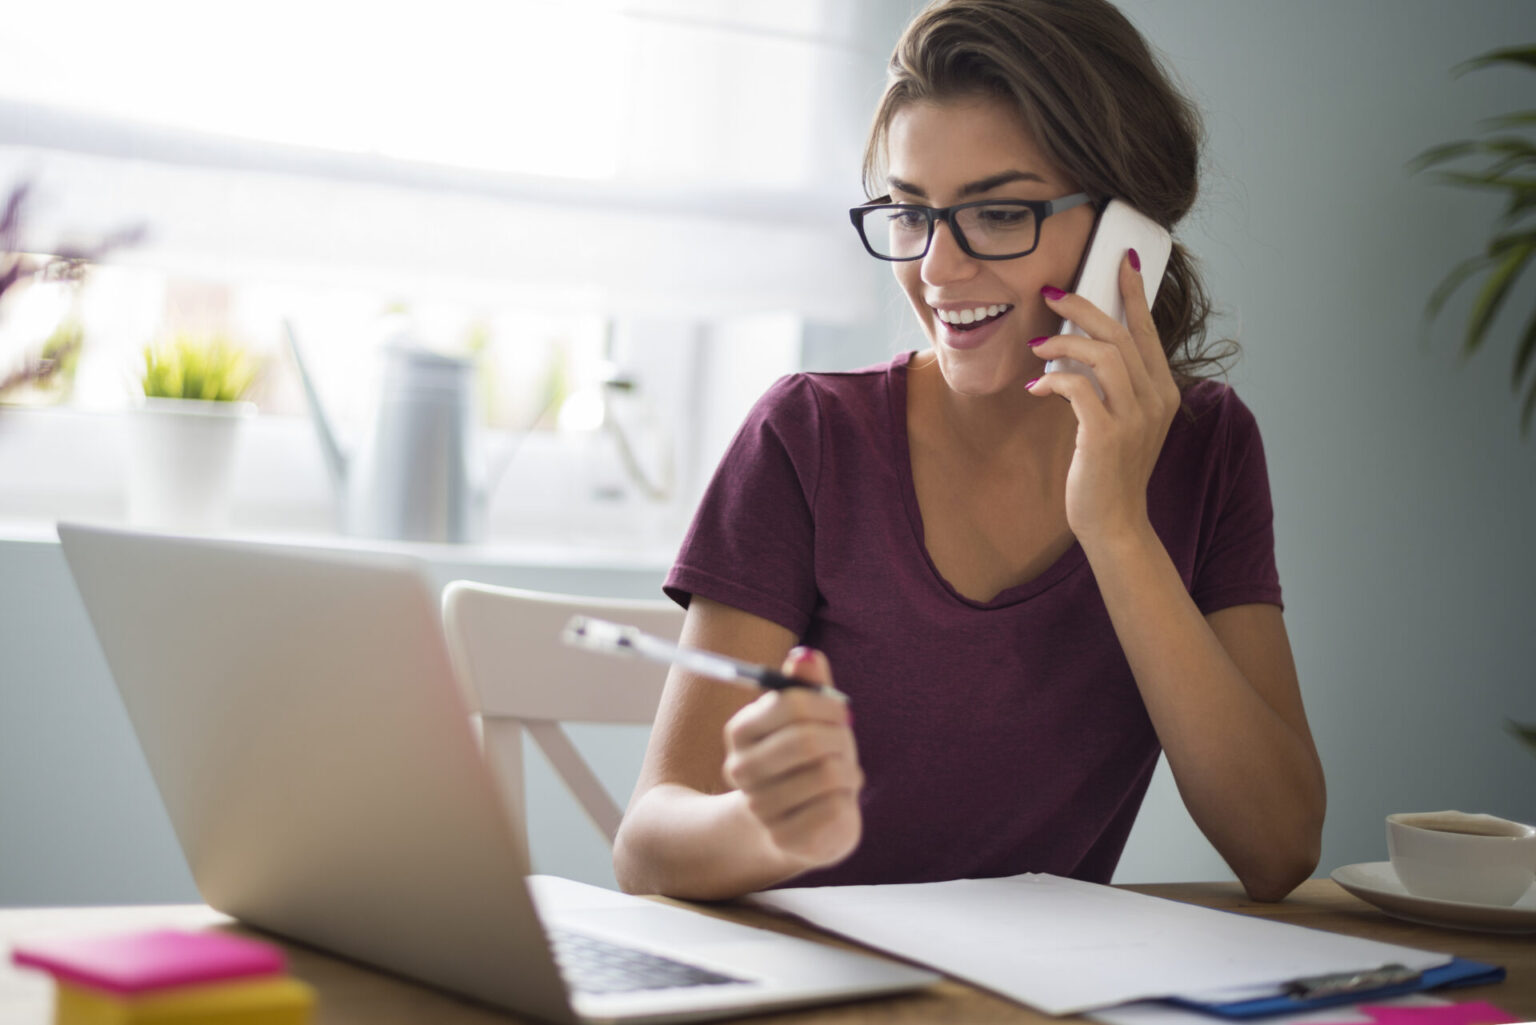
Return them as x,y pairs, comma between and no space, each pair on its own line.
1451,855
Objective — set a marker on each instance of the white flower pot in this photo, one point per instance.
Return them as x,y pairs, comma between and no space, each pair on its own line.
181,459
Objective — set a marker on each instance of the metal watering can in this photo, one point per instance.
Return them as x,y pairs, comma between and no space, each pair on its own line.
418,475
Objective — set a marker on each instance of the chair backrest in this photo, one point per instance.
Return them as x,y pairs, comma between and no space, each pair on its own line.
521,676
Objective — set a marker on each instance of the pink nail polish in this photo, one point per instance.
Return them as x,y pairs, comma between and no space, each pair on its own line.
1031,382
1037,341
1135,262
1052,293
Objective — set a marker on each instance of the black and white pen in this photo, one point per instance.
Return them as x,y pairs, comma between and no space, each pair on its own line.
618,639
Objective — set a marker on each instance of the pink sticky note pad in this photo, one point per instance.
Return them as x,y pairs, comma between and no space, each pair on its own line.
1470,1013
130,963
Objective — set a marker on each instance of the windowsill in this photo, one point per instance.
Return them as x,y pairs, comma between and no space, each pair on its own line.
555,554
61,464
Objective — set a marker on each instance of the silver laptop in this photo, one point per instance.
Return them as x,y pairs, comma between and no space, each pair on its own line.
300,716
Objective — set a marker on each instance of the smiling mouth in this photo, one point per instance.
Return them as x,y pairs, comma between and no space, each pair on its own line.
972,318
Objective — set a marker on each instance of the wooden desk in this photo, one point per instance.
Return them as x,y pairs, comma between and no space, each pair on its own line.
350,994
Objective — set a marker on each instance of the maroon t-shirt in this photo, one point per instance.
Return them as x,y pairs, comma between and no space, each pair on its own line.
996,737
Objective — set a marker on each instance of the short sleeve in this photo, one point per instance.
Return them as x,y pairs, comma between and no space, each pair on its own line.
1237,563
752,541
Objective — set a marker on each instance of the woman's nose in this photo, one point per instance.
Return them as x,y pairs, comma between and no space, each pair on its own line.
945,261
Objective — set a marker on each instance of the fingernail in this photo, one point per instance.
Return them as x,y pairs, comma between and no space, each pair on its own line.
1052,293
1036,341
1031,383
1135,262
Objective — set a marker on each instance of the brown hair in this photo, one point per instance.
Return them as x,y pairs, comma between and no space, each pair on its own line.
1095,99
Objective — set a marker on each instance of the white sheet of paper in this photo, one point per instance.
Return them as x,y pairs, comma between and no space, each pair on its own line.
1063,946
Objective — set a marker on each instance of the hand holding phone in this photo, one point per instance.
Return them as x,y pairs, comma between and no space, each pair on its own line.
1118,228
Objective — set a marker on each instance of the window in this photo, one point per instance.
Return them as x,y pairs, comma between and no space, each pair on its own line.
573,191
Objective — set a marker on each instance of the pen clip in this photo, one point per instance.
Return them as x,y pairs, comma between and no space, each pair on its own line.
1316,987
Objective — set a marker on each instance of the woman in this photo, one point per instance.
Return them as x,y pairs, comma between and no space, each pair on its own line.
1025,598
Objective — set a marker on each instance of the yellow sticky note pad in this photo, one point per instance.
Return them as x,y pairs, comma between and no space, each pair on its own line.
273,1000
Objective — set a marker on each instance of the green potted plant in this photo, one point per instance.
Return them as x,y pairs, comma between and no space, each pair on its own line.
211,369
46,375
186,432
1503,161
1507,154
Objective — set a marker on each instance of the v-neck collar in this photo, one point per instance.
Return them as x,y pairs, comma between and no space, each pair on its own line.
1069,561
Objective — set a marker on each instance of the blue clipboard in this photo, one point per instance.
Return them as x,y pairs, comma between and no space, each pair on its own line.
1460,972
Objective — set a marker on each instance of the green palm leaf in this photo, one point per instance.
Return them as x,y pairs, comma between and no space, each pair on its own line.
1507,155
1459,274
1520,204
1440,154
1519,119
1487,181
1513,147
1516,151
1517,55
1526,733
1501,244
1494,291
1523,353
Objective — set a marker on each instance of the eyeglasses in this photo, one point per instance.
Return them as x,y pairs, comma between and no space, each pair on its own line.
988,229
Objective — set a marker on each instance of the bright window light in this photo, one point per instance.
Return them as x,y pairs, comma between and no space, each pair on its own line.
523,87
590,90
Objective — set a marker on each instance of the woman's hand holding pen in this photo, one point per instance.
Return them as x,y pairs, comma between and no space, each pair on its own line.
792,756
1120,436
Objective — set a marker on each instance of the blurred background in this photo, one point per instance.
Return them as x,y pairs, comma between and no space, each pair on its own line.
628,216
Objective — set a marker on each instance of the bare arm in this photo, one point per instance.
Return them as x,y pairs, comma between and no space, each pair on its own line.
740,791
1221,691
1223,696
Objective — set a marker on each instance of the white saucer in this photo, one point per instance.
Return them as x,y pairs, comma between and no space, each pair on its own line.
1376,882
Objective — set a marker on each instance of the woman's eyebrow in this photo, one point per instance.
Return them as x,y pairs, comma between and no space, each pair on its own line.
970,188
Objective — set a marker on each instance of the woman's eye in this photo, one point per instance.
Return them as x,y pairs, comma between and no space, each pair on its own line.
908,220
996,217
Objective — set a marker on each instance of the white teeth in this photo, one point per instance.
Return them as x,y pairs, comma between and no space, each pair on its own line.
971,316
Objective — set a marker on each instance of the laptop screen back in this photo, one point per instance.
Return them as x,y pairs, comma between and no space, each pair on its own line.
300,716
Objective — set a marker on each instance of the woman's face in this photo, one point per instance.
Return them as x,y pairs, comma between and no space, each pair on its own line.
954,152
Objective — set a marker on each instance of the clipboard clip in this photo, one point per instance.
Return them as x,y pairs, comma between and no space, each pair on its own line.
1317,987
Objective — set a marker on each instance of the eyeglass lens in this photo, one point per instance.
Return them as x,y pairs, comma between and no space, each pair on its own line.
990,230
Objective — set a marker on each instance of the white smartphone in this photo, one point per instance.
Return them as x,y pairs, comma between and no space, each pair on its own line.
1118,228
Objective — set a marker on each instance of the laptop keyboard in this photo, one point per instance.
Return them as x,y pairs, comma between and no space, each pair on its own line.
591,965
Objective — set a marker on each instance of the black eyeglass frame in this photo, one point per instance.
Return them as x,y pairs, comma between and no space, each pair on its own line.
1042,208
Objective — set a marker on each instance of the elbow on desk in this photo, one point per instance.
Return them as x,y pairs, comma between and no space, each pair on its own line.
1270,867
627,867
1282,871
639,868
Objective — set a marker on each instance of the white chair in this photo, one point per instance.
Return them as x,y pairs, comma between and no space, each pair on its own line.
520,675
